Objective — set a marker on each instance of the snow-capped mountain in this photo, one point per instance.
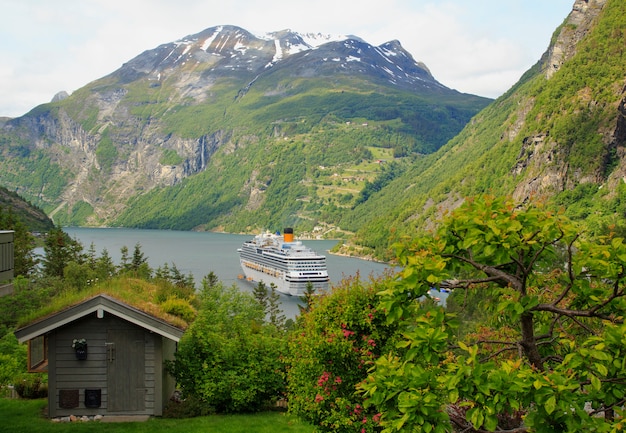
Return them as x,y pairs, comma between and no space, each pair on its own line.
230,49
175,115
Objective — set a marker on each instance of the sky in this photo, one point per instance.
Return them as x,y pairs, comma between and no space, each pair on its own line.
480,47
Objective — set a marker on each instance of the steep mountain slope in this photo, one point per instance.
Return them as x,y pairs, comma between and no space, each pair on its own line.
228,130
33,218
558,136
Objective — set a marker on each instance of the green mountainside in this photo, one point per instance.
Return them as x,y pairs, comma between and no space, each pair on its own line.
557,136
224,130
17,208
200,135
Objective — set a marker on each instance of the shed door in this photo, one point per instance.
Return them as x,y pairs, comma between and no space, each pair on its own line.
126,370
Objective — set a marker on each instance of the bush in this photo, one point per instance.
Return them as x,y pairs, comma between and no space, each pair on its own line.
228,358
330,352
180,308
31,386
12,357
189,407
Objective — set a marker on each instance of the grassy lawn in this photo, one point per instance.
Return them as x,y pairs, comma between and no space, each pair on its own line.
18,416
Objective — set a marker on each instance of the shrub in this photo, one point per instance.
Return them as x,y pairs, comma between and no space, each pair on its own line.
330,352
180,308
228,358
31,386
188,407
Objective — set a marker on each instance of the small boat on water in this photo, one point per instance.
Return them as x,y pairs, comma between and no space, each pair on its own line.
280,260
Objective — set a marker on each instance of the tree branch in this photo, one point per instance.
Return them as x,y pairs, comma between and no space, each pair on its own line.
570,272
573,314
493,272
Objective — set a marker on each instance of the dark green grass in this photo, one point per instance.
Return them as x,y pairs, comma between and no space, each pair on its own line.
17,416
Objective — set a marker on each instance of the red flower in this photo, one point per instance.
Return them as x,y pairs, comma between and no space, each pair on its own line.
323,379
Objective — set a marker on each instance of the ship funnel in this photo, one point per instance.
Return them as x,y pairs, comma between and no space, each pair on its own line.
288,234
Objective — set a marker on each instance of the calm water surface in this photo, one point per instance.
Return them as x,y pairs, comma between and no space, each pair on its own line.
201,253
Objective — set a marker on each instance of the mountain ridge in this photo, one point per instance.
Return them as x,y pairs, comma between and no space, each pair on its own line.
176,114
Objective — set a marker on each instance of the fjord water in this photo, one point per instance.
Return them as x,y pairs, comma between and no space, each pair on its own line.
198,253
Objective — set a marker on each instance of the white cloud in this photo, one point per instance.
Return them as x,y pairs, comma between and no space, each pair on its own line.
479,47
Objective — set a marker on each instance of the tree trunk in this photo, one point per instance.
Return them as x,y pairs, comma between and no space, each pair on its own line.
528,343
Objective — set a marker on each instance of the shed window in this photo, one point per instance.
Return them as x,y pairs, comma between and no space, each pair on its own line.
38,354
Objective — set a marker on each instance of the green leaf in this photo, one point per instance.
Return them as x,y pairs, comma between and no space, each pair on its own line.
550,404
595,382
491,423
432,278
453,396
601,368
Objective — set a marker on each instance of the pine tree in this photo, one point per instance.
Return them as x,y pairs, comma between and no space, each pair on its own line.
260,293
60,249
273,310
105,268
138,258
210,280
124,259
309,296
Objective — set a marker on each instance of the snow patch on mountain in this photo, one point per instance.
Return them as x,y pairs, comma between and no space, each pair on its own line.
207,42
317,39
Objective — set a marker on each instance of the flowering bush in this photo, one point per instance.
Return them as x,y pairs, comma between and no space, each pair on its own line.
330,352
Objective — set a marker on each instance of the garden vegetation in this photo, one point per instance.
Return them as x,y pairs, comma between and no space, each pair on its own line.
532,338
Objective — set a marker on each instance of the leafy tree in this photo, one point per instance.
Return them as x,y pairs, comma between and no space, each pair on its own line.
330,352
556,343
29,294
79,275
12,357
228,358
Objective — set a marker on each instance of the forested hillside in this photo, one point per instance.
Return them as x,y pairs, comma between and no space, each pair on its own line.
14,207
557,136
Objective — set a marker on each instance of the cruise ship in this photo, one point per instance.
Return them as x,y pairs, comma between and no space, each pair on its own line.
288,264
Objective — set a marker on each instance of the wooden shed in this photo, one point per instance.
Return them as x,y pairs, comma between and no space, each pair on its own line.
123,370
